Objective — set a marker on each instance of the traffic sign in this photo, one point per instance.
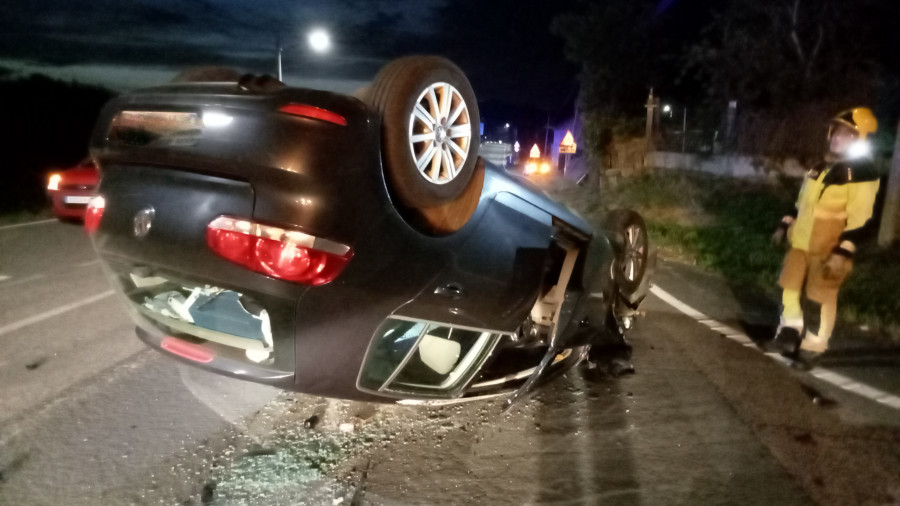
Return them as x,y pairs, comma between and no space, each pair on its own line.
568,145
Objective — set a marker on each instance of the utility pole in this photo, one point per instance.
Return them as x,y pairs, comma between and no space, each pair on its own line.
683,129
546,134
652,105
890,221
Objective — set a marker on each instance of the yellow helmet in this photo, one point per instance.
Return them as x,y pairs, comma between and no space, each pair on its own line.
860,119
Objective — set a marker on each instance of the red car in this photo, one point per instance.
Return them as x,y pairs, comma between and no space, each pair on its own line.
71,189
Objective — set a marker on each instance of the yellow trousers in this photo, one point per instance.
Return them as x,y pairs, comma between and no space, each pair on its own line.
805,273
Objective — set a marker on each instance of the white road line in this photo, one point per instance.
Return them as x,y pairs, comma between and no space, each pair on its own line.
53,312
27,224
4,278
826,375
22,280
88,264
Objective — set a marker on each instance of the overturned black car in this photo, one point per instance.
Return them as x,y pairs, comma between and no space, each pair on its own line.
350,246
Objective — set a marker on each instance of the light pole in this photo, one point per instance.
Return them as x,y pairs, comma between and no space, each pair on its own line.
318,39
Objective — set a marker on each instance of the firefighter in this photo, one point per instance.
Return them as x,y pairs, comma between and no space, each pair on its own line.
836,201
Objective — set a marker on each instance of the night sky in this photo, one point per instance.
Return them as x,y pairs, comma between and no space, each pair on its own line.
505,47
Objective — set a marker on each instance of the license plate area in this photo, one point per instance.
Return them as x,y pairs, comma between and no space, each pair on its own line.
76,199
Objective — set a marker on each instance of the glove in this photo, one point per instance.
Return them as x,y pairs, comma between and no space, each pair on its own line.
778,236
836,267
781,232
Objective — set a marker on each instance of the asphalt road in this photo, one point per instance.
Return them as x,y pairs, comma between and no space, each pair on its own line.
89,416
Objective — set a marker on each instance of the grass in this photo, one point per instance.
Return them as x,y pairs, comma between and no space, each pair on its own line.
724,225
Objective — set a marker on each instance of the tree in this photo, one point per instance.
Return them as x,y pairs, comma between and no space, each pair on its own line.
625,48
784,52
791,64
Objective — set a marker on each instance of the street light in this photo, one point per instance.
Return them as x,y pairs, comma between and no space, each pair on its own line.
319,41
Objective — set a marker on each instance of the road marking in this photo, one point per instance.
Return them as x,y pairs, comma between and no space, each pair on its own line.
4,278
53,312
22,280
826,375
27,224
88,264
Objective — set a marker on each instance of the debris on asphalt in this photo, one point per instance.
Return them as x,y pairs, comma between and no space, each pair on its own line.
259,451
817,397
618,368
805,438
34,365
311,422
347,427
208,493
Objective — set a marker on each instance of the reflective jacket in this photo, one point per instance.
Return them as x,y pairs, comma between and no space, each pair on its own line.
835,203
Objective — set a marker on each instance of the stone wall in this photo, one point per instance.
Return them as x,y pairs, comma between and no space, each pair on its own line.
737,166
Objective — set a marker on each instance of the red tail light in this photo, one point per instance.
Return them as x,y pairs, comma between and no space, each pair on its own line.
284,254
309,111
94,214
187,350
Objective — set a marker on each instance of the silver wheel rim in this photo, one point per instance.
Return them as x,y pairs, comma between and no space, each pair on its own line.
440,133
633,258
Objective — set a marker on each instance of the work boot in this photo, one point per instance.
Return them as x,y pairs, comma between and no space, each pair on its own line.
786,341
805,360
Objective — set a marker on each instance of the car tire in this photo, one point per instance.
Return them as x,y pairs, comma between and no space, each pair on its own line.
430,129
628,233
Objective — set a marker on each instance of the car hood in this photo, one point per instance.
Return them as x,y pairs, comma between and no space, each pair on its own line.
80,175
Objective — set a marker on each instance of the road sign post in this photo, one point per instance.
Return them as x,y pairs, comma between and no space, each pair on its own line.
567,147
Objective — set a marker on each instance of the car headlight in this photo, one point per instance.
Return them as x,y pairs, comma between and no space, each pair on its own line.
53,184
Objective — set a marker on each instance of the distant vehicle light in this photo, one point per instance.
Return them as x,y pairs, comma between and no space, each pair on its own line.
309,111
94,214
216,119
545,168
54,182
530,168
284,254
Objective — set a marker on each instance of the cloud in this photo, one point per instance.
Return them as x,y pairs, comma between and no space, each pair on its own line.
504,45
82,34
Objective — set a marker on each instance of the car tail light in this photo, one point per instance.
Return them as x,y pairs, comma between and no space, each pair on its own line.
309,111
93,214
284,254
53,184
